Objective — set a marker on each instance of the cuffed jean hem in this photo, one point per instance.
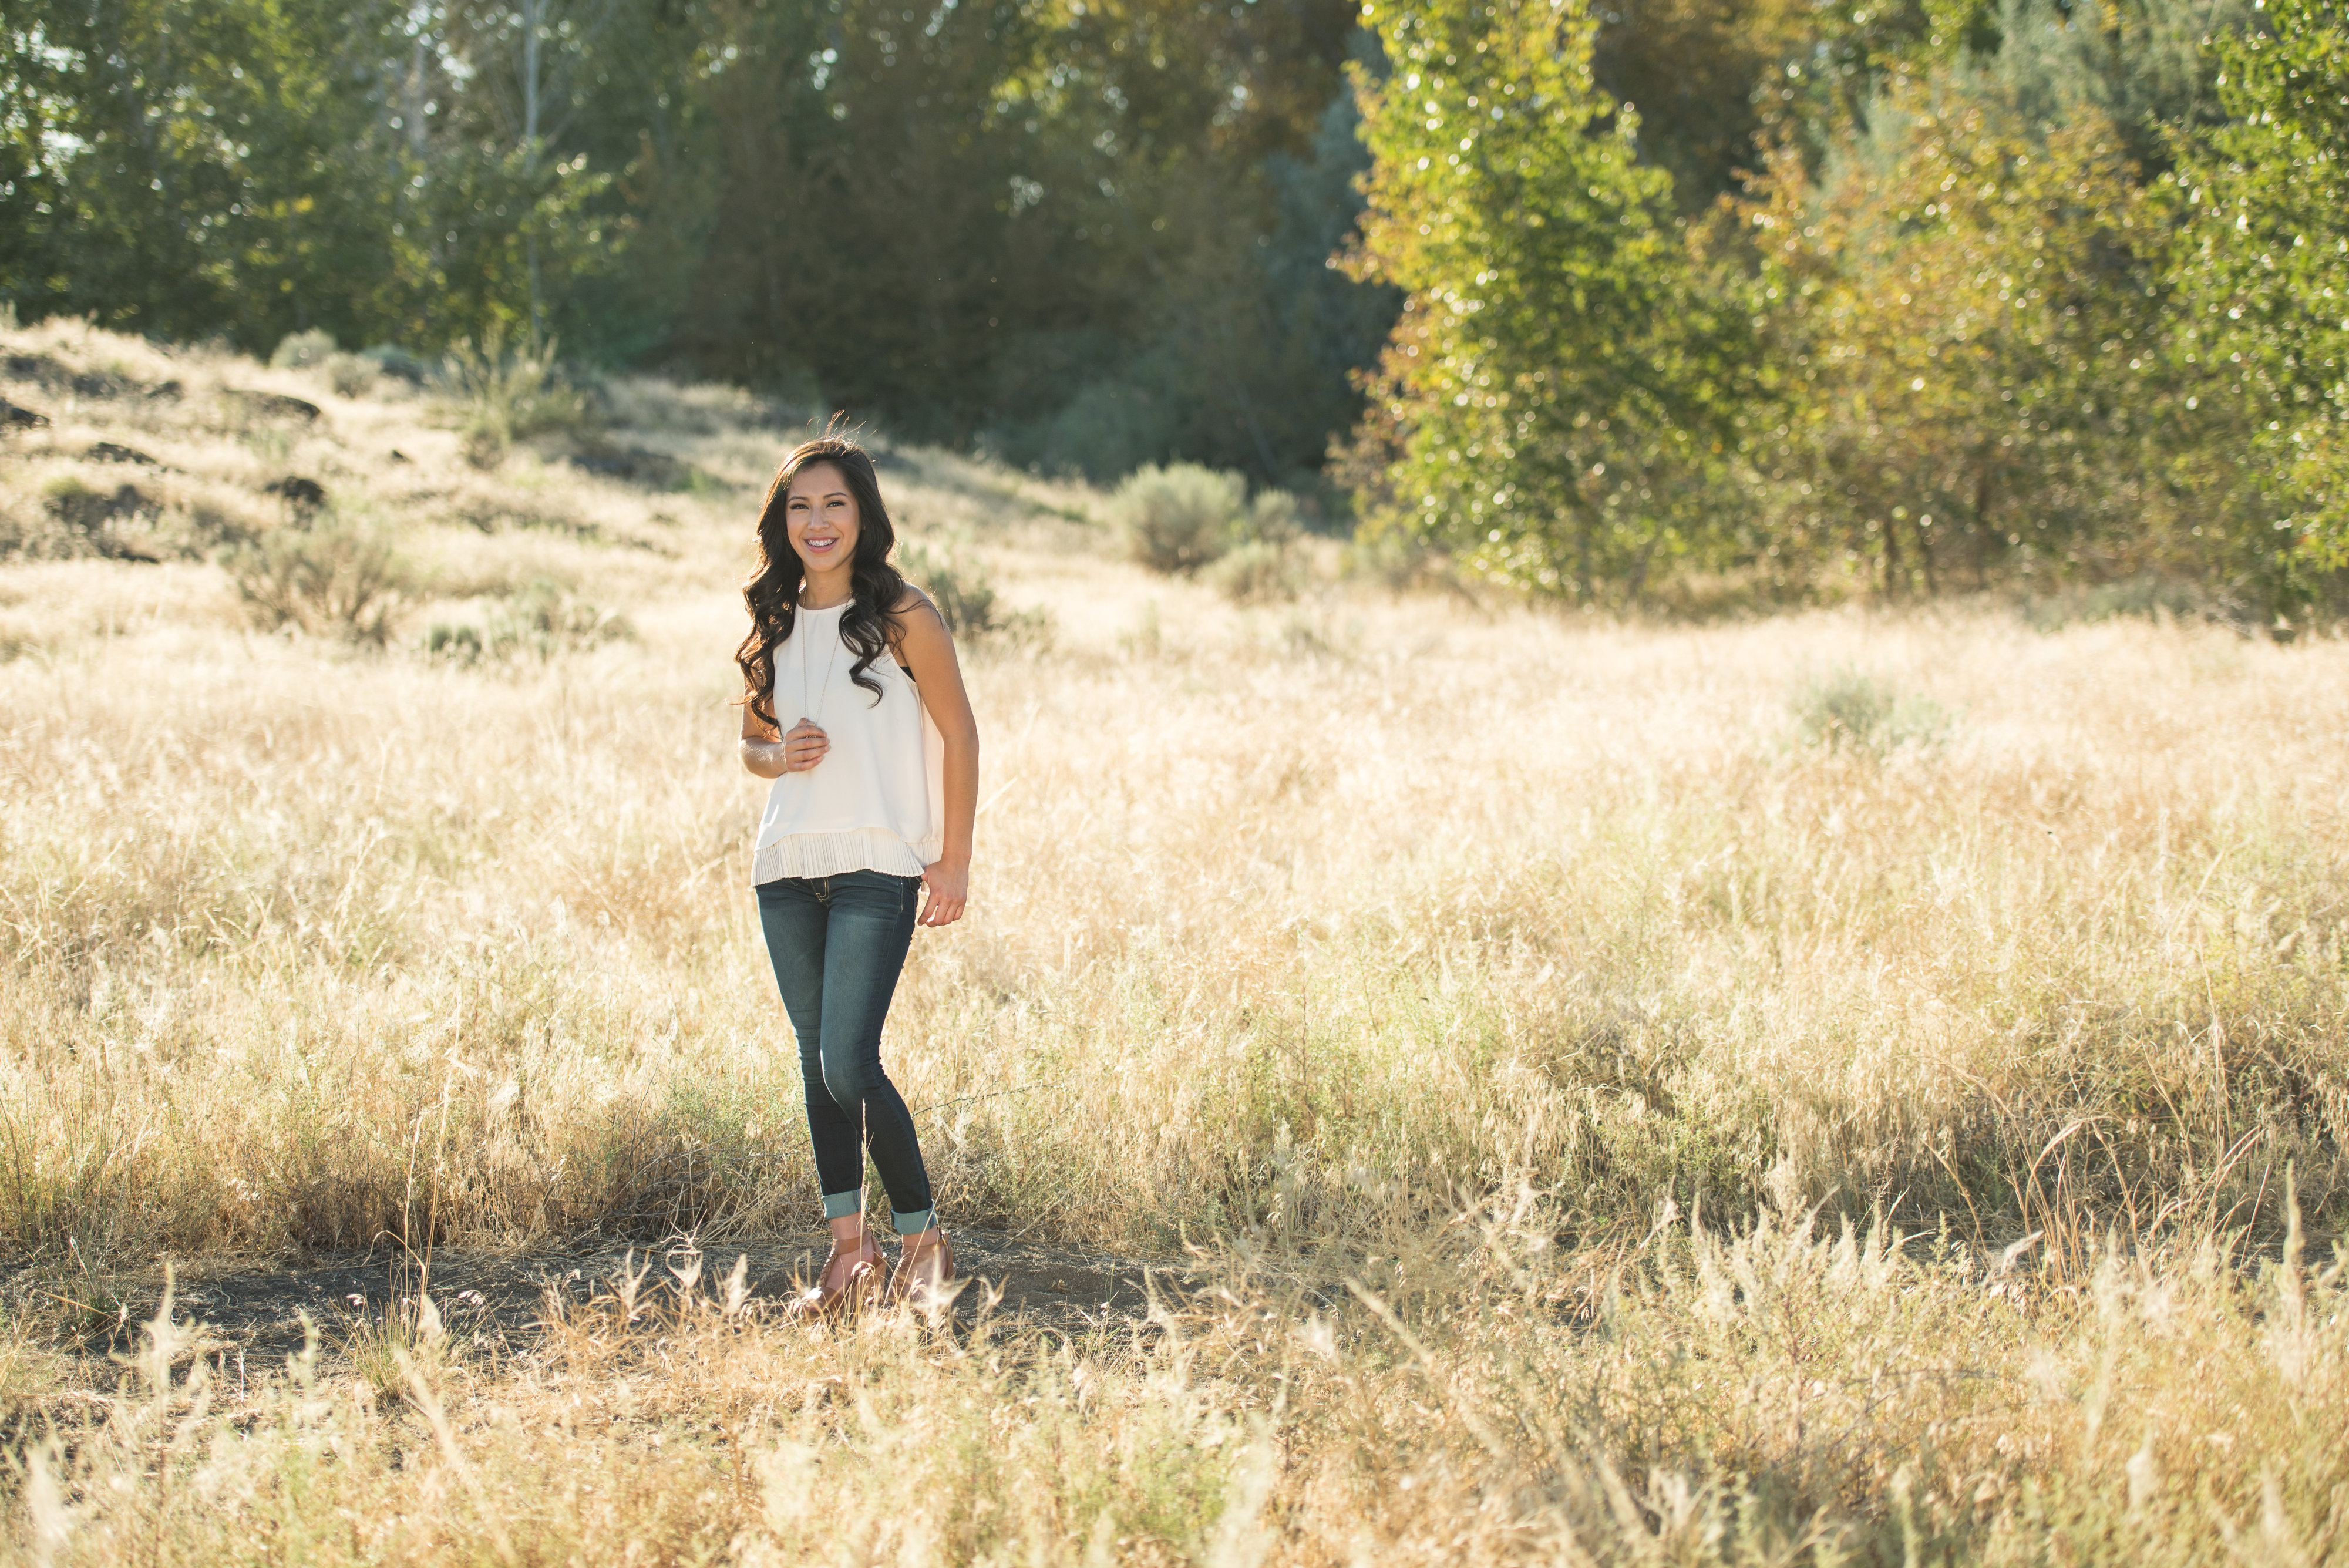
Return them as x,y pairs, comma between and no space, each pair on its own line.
841,1205
914,1224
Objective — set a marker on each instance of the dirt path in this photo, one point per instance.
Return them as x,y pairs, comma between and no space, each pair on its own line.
252,1314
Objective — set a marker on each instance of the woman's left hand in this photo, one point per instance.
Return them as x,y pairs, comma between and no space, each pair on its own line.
949,889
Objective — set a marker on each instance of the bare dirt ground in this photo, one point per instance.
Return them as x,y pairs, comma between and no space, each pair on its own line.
248,1314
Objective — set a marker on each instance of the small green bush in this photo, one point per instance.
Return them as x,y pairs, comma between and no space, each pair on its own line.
2146,596
1180,517
341,578
1396,560
540,621
454,642
351,375
959,587
502,396
1274,519
303,350
1257,572
1848,711
964,596
398,363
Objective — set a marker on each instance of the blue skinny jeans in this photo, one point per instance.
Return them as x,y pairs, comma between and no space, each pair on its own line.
838,944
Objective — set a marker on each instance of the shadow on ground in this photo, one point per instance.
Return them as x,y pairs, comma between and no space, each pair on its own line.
244,1313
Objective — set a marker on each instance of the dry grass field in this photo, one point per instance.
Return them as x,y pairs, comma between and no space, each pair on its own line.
1858,1086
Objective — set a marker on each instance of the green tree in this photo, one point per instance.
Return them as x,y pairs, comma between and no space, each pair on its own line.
185,169
1972,326
1963,318
2262,269
1556,402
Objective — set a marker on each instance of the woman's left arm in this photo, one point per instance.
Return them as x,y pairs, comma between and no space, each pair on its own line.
928,650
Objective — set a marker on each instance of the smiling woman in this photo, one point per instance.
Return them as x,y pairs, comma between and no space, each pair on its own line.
876,787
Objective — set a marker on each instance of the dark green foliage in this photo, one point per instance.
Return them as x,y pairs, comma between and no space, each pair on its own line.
1091,236
2263,274
1558,401
1773,296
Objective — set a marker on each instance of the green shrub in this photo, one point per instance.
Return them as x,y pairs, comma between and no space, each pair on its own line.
351,375
341,578
1396,559
2146,596
1862,713
454,642
959,587
1180,517
502,396
302,350
1273,518
964,595
398,363
540,621
1257,572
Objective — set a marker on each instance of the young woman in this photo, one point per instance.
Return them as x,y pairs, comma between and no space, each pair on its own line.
853,704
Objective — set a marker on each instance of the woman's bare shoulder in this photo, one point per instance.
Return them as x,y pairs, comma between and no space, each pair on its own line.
915,615
915,609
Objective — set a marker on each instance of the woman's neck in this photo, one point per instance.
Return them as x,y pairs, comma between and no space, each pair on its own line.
828,589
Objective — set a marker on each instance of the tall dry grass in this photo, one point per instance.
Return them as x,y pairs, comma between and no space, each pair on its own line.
1268,930
1779,1394
1461,954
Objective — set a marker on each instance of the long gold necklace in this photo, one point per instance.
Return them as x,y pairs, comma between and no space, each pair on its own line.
811,710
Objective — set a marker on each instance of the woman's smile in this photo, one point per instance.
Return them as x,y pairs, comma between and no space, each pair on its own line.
821,520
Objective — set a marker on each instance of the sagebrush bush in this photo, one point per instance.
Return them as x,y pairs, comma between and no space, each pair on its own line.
540,621
1861,713
351,375
1273,518
1180,517
1395,560
958,586
303,350
963,589
1257,572
342,576
506,394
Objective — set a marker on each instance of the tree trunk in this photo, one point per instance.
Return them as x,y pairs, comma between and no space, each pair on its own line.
530,31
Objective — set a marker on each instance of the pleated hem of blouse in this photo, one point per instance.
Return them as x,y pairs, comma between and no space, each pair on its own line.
837,854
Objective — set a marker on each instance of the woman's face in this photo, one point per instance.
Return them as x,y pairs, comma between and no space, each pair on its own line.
819,516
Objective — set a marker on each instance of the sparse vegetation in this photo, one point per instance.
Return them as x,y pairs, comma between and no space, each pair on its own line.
303,350
960,587
1180,517
340,576
1187,519
1607,1128
505,393
1852,711
1256,572
540,621
351,375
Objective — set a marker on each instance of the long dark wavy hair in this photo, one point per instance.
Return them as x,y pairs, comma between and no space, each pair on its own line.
772,592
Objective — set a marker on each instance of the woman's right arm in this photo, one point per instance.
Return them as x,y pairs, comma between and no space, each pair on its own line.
763,749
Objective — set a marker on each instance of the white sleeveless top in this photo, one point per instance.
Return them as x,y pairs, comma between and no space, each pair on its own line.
877,801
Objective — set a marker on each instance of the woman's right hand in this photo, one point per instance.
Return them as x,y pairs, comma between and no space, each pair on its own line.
804,746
